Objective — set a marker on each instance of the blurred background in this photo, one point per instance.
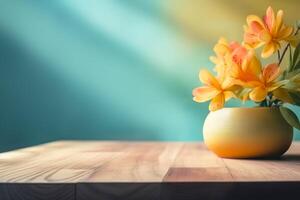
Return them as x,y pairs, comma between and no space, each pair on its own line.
108,69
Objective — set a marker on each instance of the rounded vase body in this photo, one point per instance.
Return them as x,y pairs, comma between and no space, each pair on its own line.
247,132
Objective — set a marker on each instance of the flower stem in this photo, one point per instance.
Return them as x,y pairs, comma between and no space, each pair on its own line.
286,47
283,53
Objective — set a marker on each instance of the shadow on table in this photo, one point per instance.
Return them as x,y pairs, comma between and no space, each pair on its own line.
283,158
293,157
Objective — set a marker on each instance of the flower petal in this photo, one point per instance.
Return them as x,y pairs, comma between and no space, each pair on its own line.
254,18
268,50
252,41
253,84
256,27
278,22
222,47
285,32
228,95
251,64
217,102
202,94
254,66
275,85
294,40
227,82
265,36
214,59
207,78
271,72
258,94
269,18
238,52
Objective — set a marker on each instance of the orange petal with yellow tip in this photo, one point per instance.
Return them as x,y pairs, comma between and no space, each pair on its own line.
202,94
217,102
254,18
258,94
207,78
239,52
246,60
271,72
268,50
269,18
256,27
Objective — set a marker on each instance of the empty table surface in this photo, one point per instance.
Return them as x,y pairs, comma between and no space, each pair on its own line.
143,170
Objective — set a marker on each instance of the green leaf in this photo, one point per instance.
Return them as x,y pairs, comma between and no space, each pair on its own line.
297,65
290,117
290,62
292,73
290,53
296,97
296,58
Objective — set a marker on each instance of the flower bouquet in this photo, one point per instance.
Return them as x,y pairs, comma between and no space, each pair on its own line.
240,74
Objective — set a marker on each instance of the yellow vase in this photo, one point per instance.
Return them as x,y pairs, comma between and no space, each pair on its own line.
247,132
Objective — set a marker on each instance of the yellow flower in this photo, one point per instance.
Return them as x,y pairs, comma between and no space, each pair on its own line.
246,70
267,83
222,51
215,90
227,55
245,67
261,81
269,31
230,60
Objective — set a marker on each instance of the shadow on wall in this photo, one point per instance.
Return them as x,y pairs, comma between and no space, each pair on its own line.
37,105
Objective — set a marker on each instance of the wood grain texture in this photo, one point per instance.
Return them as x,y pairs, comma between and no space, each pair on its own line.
148,170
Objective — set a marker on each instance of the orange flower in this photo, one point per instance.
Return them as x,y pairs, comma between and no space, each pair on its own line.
267,83
260,83
269,31
226,55
240,73
247,71
222,50
215,90
230,60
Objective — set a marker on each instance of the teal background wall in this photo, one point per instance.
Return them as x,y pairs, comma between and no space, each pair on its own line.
124,70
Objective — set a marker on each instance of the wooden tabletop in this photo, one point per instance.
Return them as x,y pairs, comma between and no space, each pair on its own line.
143,170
